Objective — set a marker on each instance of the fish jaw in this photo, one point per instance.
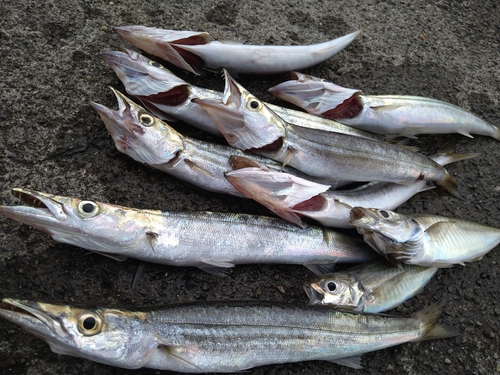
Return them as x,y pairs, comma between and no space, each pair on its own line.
167,44
136,132
101,335
244,120
141,76
108,229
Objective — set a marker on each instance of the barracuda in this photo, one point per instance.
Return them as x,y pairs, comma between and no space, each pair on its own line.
218,336
167,95
153,142
424,240
292,197
249,124
193,51
370,287
207,240
396,115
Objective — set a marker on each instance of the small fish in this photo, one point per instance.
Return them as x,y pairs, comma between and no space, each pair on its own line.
424,240
247,123
395,115
219,336
370,287
292,197
148,140
171,98
193,51
208,240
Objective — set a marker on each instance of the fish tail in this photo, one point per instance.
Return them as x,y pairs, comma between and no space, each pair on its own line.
446,155
450,184
429,317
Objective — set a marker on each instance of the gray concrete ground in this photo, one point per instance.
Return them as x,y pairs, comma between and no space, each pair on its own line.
51,140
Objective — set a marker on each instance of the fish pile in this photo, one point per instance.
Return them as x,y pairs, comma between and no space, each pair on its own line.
301,167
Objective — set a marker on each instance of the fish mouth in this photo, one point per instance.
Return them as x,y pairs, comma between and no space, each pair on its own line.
43,211
32,318
360,218
314,293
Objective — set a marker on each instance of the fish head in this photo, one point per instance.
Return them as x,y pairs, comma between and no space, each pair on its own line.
392,235
245,121
167,44
108,229
139,134
146,79
337,289
319,97
110,336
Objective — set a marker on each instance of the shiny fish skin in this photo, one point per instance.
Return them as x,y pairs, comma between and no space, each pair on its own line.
370,287
292,197
424,240
197,239
248,124
192,51
396,115
219,336
167,95
153,142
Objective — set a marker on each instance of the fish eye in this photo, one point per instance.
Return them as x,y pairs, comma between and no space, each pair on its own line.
146,120
331,286
254,105
155,64
384,214
88,208
90,323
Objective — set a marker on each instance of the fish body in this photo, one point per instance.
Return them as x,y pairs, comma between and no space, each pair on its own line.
247,123
292,197
153,142
370,287
197,239
219,336
170,97
193,51
396,115
424,240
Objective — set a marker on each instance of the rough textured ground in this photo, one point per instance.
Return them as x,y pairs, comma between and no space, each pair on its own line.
51,140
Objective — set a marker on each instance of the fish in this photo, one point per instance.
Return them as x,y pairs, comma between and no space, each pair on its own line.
218,336
194,51
291,197
211,241
171,98
371,287
148,140
394,115
247,123
424,240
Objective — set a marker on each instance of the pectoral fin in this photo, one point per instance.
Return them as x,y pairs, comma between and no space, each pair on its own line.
197,169
352,362
175,355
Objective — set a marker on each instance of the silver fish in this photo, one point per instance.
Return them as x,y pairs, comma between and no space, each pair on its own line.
396,115
292,197
247,123
170,97
424,240
370,287
219,336
153,142
192,51
208,240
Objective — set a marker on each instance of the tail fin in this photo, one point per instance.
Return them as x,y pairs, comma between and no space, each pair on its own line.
445,155
429,317
450,184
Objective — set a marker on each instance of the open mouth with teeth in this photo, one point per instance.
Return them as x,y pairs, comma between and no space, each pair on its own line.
42,211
